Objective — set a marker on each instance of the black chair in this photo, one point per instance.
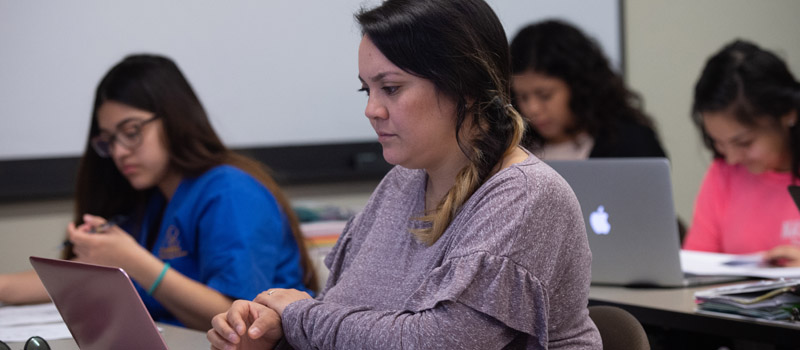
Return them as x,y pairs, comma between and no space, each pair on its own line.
618,328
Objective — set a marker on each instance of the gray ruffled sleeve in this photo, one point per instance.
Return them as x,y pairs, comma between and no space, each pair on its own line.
492,285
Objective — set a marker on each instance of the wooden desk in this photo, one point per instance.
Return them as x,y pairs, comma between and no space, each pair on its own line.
177,338
674,308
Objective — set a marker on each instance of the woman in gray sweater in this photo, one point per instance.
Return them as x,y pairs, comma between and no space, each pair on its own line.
470,242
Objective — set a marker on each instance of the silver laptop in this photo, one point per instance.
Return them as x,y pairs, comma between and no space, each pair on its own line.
99,305
630,220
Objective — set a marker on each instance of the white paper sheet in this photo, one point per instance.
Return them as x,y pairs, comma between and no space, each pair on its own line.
49,331
29,314
716,264
18,323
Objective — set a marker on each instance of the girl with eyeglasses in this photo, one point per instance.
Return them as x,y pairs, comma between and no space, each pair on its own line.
194,224
469,242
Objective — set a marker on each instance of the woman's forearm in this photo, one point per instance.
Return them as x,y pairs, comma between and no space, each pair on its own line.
22,288
449,325
191,302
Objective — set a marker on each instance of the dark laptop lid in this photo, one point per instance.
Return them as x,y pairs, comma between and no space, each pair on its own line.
794,191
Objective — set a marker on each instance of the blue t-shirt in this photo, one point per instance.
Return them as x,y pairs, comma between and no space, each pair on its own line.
223,229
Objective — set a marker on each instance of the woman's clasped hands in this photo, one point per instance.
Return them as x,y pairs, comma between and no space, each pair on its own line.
260,319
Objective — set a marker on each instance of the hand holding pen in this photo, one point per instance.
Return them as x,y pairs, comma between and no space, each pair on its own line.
102,228
783,256
114,247
95,224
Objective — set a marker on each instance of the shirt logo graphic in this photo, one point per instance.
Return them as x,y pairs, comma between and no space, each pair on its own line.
171,249
790,232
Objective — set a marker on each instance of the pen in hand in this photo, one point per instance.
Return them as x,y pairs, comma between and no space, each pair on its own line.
785,255
103,227
116,220
777,262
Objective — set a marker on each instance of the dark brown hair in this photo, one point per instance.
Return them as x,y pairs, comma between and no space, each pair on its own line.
598,95
754,84
156,84
461,47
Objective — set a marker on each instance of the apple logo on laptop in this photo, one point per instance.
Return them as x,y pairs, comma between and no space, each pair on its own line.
599,221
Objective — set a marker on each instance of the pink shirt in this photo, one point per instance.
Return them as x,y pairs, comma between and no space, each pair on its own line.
739,212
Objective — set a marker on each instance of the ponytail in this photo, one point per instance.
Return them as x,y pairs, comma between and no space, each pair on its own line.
485,154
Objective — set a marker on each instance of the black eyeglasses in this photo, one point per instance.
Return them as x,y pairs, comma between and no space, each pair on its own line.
33,343
128,135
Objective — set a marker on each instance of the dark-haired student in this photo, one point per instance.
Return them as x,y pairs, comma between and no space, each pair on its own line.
470,242
746,103
576,106
194,224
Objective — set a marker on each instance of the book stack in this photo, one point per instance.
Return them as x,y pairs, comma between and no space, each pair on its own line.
775,300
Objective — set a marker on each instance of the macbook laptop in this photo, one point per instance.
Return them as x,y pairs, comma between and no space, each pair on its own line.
99,305
794,191
630,220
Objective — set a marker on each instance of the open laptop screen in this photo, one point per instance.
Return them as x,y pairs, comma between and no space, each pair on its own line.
99,304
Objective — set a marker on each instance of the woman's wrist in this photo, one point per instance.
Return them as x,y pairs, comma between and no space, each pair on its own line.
289,308
4,282
155,283
147,270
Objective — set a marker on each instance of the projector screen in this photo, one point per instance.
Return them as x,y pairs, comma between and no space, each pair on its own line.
270,73
277,77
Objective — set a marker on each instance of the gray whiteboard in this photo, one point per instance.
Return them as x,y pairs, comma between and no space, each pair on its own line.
270,73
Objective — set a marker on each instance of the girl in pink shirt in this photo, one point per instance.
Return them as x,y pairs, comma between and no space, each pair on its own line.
745,104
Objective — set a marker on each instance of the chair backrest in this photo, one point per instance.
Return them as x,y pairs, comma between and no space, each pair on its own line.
618,328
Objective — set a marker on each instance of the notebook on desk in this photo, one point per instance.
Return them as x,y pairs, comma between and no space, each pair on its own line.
99,305
630,221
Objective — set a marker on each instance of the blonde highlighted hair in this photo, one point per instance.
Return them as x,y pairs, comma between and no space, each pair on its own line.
468,180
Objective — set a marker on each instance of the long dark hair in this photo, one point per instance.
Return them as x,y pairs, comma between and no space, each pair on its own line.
155,84
461,47
751,83
598,95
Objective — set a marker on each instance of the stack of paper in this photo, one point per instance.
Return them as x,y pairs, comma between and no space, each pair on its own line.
18,323
771,300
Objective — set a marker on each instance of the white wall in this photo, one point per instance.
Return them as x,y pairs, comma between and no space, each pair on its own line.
270,73
33,228
667,43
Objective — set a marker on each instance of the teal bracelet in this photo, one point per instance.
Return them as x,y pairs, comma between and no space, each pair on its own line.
158,279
